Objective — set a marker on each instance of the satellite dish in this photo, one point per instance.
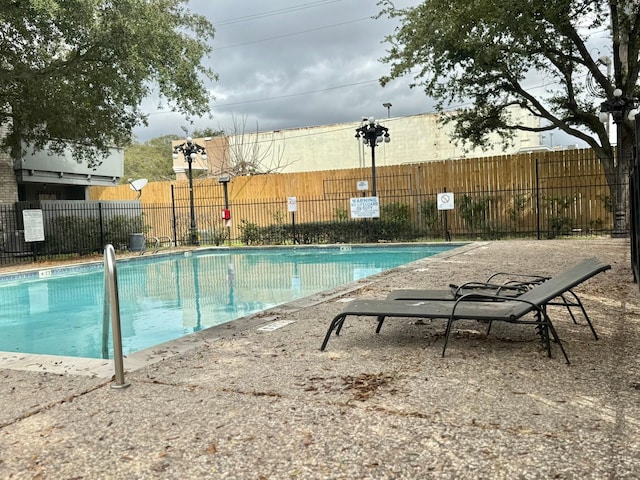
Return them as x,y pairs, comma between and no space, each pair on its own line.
138,185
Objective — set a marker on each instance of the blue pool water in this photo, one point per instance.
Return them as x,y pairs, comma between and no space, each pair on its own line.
60,312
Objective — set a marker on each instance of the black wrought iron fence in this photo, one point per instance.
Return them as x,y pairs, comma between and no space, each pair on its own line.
69,228
634,209
558,205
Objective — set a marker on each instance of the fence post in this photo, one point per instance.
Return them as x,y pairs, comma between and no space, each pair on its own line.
537,201
447,234
173,213
102,242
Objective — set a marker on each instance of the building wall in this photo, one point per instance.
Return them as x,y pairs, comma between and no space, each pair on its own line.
8,185
417,138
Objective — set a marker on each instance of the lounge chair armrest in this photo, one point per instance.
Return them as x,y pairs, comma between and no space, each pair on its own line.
459,290
523,277
473,297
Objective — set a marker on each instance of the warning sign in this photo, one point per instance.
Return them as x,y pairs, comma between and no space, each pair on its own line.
365,207
33,225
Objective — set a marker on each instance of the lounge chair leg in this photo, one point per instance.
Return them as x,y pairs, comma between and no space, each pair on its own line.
446,335
568,305
576,302
380,322
550,328
336,324
584,314
339,325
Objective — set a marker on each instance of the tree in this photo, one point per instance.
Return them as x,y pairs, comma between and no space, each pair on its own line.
206,132
73,73
248,154
151,160
489,52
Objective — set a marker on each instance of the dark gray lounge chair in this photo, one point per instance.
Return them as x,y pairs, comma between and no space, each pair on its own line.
515,285
481,307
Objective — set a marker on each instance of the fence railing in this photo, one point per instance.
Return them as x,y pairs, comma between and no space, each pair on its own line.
634,209
560,203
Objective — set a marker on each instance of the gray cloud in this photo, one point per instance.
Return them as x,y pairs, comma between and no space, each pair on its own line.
286,64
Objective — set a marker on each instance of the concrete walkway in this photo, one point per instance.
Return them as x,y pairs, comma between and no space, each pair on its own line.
242,403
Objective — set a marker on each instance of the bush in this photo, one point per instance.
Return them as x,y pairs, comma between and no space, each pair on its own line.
118,228
473,212
72,234
559,225
394,223
213,236
249,233
431,217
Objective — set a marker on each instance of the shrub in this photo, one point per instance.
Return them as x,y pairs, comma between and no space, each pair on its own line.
118,228
72,234
249,233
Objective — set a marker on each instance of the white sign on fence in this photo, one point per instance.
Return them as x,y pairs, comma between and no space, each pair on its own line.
365,207
33,225
362,185
445,201
292,204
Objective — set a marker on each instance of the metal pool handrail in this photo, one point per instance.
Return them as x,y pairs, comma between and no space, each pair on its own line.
112,308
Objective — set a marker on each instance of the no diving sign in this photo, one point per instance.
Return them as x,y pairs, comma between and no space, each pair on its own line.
445,201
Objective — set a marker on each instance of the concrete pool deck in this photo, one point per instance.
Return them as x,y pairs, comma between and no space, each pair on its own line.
238,401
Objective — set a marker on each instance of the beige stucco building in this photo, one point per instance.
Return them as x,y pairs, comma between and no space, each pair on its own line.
416,138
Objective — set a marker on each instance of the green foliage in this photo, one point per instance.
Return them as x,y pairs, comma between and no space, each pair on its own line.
206,132
340,213
151,160
517,209
559,221
118,228
278,216
559,225
484,52
430,216
72,234
215,235
473,212
396,212
249,233
395,221
607,202
75,73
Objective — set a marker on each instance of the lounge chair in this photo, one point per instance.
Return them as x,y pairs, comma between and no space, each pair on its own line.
515,285
478,306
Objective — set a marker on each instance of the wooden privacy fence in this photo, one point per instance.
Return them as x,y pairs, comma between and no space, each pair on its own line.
534,193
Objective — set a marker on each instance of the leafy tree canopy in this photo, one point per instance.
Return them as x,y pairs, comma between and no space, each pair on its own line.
207,132
151,160
489,53
75,72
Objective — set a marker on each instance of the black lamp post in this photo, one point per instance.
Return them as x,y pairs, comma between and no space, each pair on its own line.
373,133
619,107
190,151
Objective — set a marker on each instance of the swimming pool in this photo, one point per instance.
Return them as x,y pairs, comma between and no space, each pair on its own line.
164,297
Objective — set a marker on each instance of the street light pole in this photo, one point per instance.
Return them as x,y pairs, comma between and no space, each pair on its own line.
373,133
388,106
190,151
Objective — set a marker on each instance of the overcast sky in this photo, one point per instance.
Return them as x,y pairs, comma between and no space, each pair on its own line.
294,63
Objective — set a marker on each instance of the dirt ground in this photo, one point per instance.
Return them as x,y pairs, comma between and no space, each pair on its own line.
246,403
